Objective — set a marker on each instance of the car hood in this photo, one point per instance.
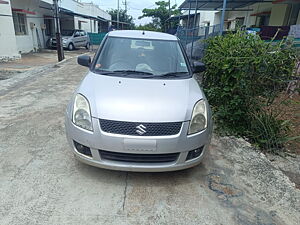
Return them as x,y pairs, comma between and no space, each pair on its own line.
140,100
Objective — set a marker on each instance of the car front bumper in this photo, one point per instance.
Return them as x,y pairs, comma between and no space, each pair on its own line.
53,44
99,140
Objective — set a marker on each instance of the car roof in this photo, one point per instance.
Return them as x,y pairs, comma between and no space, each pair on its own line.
140,34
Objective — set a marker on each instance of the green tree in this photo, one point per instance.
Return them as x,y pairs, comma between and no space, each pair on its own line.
148,26
123,17
160,14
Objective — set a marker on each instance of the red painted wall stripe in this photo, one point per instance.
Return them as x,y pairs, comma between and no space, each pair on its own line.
261,13
23,11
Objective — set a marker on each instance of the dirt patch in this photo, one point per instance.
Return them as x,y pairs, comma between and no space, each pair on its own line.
294,177
289,106
293,114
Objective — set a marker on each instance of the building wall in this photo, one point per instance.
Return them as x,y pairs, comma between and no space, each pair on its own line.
249,20
217,17
207,17
203,19
16,44
94,10
8,46
29,42
278,14
85,9
86,24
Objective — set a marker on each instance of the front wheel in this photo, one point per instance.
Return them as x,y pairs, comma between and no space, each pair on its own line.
87,46
70,47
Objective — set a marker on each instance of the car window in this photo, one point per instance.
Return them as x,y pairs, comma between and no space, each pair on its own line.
77,34
67,32
82,33
154,56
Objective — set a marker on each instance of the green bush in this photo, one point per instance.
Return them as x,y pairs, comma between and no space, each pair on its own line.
269,132
245,74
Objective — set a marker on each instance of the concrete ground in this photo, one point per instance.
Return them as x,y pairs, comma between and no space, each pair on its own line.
32,60
42,183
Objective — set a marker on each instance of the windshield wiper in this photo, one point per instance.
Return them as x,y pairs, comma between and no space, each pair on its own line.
173,74
132,72
105,72
125,73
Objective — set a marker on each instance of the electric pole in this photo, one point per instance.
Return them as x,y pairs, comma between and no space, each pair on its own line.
169,8
60,51
125,4
168,24
118,15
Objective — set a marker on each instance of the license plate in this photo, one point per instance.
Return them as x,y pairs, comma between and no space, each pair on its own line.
139,145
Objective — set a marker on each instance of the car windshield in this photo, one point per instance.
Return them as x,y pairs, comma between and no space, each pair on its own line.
141,58
67,32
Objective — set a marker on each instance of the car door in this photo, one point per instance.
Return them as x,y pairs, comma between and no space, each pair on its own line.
77,38
83,38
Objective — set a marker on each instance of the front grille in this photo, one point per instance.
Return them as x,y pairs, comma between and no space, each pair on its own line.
138,158
139,128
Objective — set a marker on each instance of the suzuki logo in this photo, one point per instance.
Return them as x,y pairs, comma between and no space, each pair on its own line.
140,129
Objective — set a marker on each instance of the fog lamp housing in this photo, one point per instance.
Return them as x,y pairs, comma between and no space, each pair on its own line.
194,153
82,149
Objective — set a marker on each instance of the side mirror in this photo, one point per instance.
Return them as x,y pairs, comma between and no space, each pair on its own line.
198,67
84,60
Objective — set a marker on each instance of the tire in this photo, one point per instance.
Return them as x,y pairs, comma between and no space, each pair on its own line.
71,47
87,46
48,45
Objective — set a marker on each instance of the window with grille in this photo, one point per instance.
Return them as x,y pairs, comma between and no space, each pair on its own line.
20,23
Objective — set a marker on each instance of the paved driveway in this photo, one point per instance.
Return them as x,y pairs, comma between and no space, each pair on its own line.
42,183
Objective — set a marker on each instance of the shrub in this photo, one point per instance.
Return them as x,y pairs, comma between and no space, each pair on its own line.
268,132
244,74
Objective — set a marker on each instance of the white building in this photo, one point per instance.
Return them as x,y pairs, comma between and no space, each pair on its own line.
249,13
276,13
8,47
25,26
203,18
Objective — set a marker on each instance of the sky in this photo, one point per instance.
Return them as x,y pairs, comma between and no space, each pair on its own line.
134,7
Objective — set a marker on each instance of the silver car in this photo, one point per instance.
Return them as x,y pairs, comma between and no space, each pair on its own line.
71,39
139,108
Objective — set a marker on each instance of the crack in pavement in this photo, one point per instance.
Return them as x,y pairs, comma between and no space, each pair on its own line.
125,191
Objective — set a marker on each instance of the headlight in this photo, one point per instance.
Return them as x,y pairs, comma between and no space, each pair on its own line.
64,40
199,118
82,113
